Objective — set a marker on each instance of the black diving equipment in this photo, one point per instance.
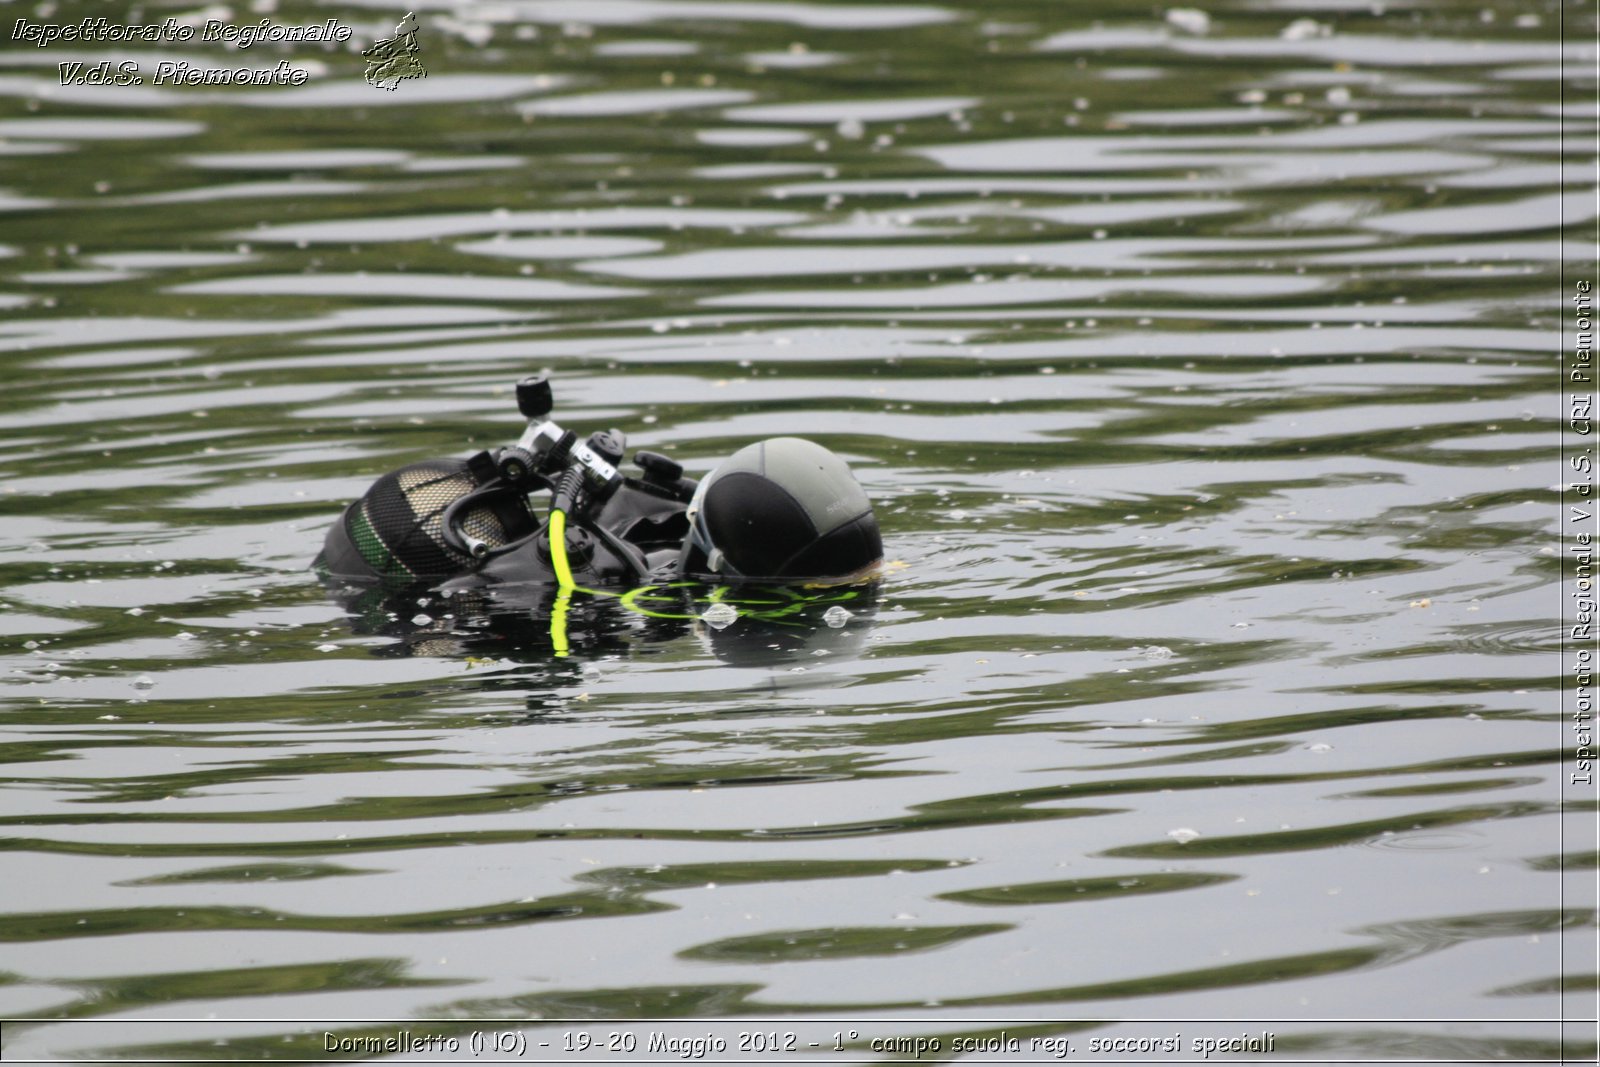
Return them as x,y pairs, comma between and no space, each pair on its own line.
782,511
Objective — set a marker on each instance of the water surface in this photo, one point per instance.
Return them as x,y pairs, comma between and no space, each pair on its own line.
1206,386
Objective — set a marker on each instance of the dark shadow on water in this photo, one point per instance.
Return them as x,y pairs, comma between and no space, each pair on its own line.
551,639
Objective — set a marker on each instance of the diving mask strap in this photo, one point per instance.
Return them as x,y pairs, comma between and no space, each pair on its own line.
700,537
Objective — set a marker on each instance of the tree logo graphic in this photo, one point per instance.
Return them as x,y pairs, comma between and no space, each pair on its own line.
392,60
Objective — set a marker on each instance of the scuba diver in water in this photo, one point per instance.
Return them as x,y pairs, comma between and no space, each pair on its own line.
780,514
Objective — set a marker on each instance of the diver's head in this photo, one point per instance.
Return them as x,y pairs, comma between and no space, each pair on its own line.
782,510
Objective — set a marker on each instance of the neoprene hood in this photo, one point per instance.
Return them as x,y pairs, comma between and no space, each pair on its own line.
784,509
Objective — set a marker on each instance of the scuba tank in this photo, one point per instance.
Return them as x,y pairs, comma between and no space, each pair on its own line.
444,519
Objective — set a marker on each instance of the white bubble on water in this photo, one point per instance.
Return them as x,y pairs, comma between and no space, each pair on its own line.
421,618
836,616
144,681
719,616
1304,30
1189,20
1183,835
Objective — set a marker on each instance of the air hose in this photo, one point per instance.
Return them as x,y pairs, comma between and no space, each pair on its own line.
563,500
564,585
558,550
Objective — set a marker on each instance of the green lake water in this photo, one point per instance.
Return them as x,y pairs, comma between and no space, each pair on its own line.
1205,372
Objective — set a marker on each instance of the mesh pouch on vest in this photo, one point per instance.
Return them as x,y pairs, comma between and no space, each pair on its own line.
398,526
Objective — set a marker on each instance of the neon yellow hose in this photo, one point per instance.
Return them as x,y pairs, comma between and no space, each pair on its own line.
558,550
563,569
558,622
